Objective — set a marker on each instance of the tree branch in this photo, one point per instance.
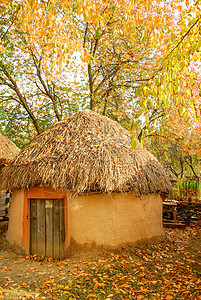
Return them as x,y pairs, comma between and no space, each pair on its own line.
44,85
22,98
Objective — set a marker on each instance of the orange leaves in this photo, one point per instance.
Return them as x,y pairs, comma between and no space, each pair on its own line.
91,296
97,284
87,278
168,272
2,49
168,297
41,18
85,56
98,35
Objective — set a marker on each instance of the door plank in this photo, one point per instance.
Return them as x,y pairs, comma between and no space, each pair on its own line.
40,227
33,226
62,230
49,227
56,225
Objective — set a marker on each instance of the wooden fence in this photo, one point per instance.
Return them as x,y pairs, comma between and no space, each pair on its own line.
189,213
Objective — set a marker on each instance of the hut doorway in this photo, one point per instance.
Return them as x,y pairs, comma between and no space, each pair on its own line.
47,227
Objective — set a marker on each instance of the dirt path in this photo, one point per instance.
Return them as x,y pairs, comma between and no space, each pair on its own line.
19,274
24,277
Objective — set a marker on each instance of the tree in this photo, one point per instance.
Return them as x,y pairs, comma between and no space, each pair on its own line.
34,92
38,50
177,143
176,77
118,54
138,54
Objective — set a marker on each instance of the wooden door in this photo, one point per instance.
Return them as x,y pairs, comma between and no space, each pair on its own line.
47,227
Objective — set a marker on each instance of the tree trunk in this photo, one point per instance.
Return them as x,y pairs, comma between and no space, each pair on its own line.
92,102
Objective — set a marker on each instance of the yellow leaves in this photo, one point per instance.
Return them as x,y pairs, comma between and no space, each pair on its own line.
178,100
181,110
186,70
150,103
189,92
60,286
60,61
140,112
187,116
193,108
184,83
134,143
181,65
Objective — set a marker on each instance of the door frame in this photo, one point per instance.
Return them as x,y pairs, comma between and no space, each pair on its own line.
41,193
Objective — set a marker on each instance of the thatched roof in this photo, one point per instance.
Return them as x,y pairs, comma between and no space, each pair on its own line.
8,150
86,152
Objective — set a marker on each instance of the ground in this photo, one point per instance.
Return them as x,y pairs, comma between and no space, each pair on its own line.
169,270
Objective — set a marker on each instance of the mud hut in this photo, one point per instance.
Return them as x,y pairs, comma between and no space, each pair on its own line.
79,184
8,150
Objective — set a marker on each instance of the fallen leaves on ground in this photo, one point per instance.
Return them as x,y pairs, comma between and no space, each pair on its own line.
166,271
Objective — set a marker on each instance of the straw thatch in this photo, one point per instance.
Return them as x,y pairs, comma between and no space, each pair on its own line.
86,152
8,150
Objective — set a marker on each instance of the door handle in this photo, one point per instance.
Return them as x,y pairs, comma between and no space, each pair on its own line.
29,217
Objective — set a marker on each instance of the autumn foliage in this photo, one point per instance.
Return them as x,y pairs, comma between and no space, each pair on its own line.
137,62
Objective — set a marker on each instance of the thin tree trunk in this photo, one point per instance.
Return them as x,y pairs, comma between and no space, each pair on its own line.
190,164
92,102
